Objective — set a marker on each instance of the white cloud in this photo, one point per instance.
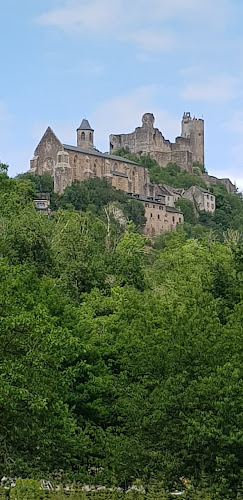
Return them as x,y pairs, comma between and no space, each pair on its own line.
151,40
93,16
142,22
216,88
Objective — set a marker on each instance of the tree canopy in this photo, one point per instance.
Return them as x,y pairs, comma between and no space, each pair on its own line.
118,356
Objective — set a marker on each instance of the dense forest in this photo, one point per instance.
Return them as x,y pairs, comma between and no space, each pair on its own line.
121,358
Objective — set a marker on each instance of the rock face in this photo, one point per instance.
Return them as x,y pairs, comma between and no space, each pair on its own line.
186,149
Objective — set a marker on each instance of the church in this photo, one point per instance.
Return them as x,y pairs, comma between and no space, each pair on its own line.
66,163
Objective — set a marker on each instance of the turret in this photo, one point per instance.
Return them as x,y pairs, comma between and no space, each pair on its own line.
85,135
193,129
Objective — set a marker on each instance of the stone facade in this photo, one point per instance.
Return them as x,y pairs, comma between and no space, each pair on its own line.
160,218
204,200
186,149
67,163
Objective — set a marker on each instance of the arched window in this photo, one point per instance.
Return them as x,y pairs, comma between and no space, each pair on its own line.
83,136
90,137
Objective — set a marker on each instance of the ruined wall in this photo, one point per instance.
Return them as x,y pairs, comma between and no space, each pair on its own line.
149,140
210,179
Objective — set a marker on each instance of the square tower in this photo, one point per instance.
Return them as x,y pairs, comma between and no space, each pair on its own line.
193,129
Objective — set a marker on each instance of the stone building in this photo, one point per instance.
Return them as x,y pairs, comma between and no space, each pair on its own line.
187,149
167,194
42,203
160,217
203,199
66,163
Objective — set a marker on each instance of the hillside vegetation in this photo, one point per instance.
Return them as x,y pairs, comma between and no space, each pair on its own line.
120,361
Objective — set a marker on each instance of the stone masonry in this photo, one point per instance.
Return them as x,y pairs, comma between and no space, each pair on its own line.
187,149
67,163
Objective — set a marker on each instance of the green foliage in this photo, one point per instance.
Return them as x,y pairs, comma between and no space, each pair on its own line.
95,194
173,176
199,167
188,210
3,168
120,362
42,183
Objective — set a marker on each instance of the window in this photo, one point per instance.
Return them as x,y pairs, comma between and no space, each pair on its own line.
207,196
151,215
153,206
160,208
199,134
207,205
90,136
83,136
173,220
212,206
158,216
146,205
211,198
179,219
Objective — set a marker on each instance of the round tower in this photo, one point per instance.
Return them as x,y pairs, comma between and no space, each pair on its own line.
193,129
85,135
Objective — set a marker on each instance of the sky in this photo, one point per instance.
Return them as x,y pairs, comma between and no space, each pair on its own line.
111,61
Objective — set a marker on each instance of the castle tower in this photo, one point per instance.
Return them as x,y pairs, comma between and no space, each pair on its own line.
85,135
193,129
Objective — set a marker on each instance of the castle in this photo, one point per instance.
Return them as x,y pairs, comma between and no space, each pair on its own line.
186,150
67,163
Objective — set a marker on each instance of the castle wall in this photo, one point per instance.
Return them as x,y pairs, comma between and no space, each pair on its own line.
149,140
210,179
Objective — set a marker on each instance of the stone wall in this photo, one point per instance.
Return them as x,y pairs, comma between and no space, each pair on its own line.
160,218
68,163
45,155
210,179
149,140
193,130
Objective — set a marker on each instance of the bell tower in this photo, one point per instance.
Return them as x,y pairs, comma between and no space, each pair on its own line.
85,135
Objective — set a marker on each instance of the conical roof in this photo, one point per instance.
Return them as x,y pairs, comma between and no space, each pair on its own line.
85,125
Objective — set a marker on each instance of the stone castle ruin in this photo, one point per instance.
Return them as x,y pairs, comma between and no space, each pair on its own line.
187,149
67,163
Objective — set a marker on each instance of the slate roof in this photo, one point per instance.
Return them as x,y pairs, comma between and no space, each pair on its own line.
144,199
100,155
85,125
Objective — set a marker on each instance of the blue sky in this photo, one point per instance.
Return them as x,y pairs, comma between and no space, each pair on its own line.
113,60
